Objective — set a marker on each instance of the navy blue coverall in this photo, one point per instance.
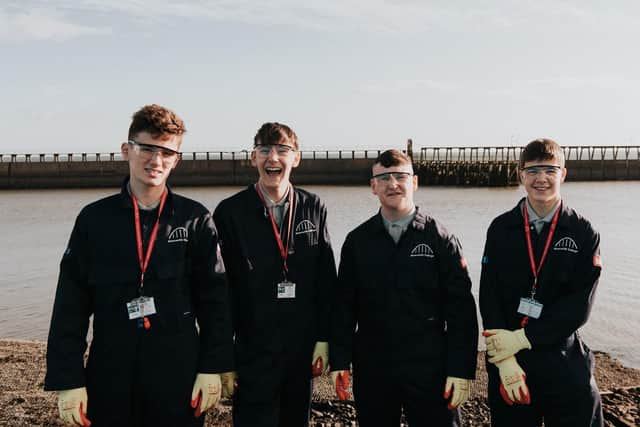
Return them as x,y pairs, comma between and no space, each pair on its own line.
137,377
416,321
559,366
274,338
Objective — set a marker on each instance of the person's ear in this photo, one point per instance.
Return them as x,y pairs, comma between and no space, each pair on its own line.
296,159
175,163
124,149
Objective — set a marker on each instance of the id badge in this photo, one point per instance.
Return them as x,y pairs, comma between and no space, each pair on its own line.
530,307
141,307
286,289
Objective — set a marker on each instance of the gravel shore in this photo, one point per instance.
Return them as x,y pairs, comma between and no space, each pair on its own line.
24,403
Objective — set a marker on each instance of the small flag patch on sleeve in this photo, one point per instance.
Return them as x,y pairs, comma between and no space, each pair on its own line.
485,259
597,261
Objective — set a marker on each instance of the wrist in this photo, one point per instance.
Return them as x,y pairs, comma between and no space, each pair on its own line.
522,338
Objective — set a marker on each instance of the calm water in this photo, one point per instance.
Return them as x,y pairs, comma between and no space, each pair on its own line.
35,227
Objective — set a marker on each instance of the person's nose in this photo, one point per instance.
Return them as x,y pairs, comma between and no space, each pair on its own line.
393,181
156,157
273,154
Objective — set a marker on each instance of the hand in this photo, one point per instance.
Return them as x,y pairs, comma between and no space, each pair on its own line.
229,384
513,386
502,343
340,381
460,388
320,359
72,405
205,393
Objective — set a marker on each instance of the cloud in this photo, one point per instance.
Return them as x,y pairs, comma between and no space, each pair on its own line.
410,85
42,19
382,16
42,24
609,83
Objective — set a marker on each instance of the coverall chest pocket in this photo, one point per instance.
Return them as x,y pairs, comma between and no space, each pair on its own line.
112,287
424,273
560,271
172,291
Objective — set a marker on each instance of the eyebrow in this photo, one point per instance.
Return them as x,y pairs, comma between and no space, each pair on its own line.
542,166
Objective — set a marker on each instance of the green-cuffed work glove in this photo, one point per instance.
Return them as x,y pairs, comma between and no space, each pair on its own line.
72,406
205,393
320,359
502,343
229,384
340,381
513,386
460,387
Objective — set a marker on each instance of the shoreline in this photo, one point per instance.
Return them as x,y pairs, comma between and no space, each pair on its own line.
24,403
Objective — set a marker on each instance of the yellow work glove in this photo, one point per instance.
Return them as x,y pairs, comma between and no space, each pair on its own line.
461,387
502,343
320,359
513,386
229,384
205,393
340,381
72,405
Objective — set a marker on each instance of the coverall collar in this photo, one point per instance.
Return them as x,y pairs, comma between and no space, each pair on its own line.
419,221
516,217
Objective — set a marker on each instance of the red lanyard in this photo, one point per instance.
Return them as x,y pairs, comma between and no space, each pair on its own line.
527,232
284,250
142,259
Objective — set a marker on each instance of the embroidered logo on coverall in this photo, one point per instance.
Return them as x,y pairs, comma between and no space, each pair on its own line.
178,235
566,244
422,250
305,226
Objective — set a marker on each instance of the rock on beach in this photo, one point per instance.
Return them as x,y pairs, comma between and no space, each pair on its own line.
24,403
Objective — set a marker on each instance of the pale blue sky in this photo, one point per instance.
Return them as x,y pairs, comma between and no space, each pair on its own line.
347,74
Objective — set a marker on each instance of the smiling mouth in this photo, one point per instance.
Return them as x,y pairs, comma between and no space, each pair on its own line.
273,171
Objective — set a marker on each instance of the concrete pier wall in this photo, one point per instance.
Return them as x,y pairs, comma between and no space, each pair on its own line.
347,168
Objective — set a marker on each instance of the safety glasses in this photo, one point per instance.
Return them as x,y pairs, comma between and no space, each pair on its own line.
400,177
147,151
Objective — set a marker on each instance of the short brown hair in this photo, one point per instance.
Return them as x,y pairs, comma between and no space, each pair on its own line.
157,120
541,149
272,133
392,157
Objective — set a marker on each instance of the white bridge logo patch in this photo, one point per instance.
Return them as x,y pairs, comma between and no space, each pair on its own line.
178,235
305,226
422,250
566,244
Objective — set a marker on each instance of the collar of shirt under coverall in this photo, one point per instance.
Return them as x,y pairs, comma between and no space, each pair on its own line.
125,197
398,227
534,219
277,208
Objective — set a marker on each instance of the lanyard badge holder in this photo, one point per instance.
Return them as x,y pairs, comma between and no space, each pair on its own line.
529,307
143,306
286,289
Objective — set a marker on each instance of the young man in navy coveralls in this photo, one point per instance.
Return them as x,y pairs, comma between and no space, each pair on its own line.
281,273
540,270
145,263
404,313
